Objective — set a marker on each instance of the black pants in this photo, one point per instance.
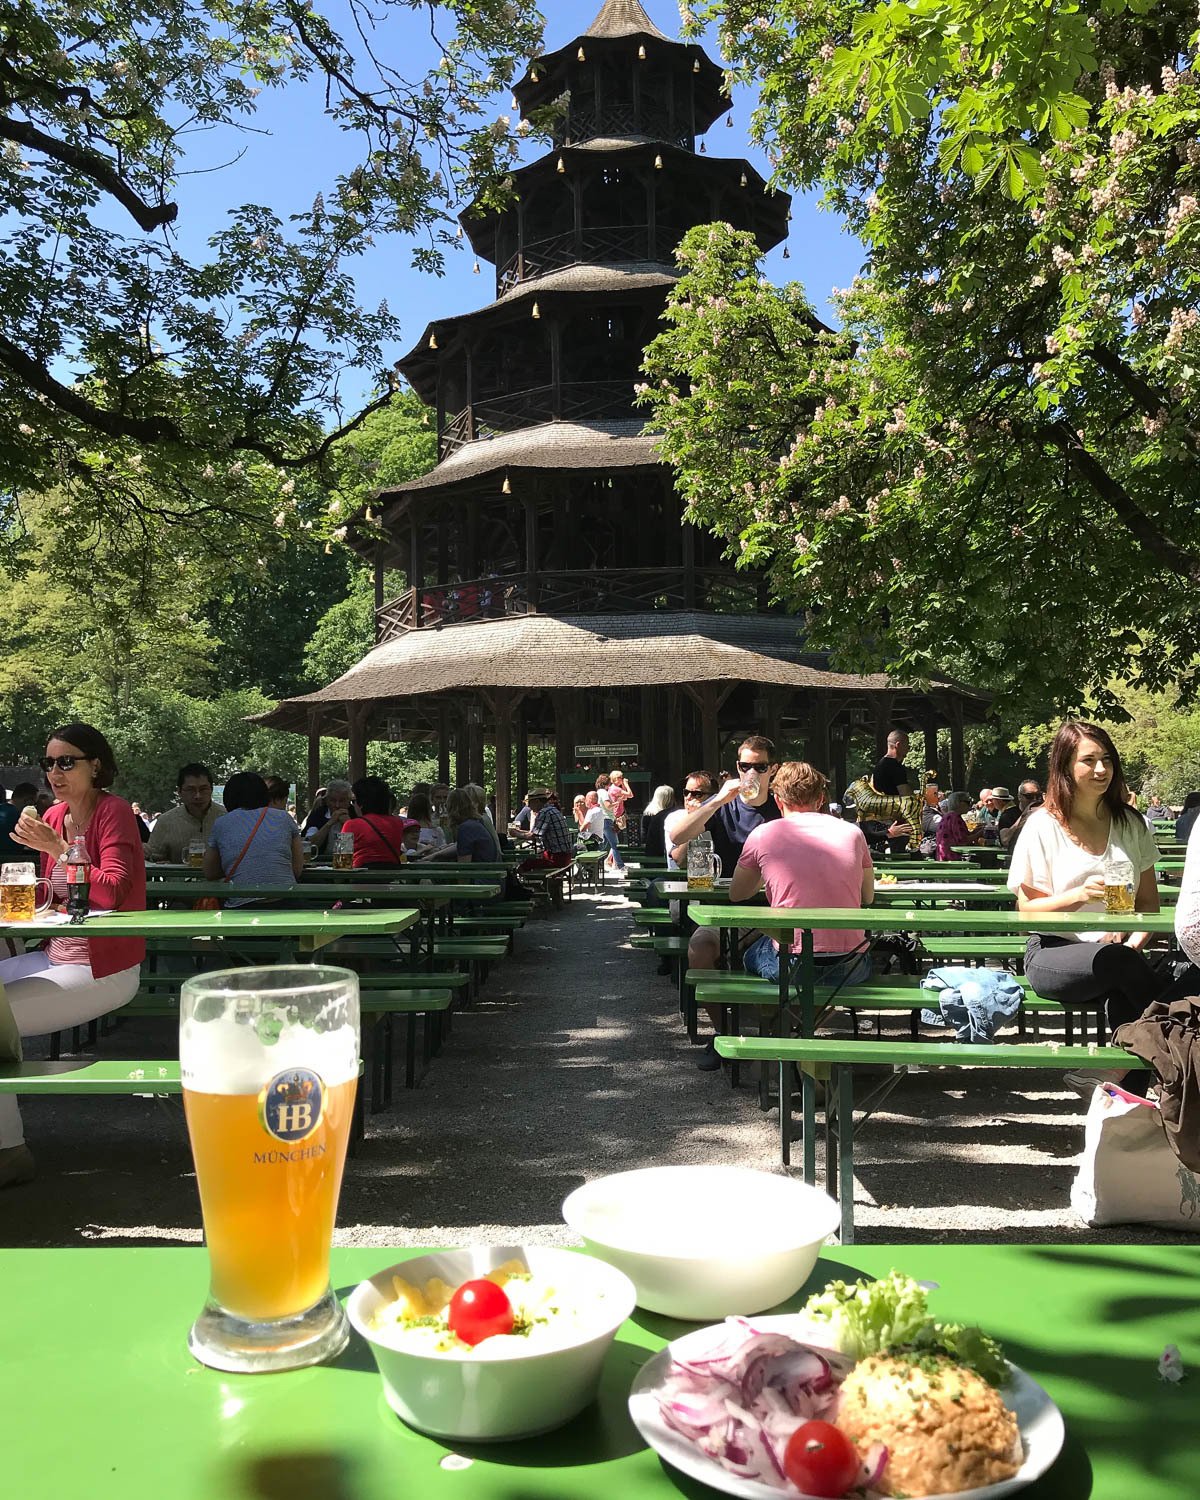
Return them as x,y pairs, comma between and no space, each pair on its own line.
1084,973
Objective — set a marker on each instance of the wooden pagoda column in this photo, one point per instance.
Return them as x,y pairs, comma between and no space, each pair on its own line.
838,768
356,714
314,756
958,756
416,562
689,566
568,720
929,731
502,702
521,748
818,745
882,704
531,558
709,698
475,748
462,761
443,755
676,770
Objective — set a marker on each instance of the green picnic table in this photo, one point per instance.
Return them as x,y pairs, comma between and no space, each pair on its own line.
102,1340
781,922
292,931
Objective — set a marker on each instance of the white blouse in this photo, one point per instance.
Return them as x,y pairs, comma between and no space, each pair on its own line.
1046,858
1187,912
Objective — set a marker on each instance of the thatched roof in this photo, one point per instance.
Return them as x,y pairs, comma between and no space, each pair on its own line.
624,18
611,445
657,648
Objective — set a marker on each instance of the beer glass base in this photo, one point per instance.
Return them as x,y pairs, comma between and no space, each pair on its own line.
225,1342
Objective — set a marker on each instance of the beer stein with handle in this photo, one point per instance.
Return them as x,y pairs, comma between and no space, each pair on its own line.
269,1061
703,863
18,893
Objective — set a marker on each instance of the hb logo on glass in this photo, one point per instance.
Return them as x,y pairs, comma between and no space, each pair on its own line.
291,1104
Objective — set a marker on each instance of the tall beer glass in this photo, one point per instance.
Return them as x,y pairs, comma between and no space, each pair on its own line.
269,1059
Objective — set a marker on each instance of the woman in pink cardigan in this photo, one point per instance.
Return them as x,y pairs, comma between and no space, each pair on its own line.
74,979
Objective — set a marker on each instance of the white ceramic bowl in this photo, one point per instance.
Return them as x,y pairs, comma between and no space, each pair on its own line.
701,1243
474,1396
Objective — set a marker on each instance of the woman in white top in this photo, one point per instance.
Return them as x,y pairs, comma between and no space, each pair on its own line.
1058,864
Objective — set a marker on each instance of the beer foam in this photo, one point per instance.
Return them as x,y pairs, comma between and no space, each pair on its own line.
226,1057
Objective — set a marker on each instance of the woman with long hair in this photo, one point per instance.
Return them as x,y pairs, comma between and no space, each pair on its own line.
74,979
653,818
1059,863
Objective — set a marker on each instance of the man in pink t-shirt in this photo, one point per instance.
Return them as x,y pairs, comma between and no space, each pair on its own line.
807,858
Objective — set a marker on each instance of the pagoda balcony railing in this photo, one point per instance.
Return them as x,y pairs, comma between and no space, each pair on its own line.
612,591
594,245
619,122
574,401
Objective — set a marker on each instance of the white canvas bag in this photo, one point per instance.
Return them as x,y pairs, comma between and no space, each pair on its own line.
1128,1173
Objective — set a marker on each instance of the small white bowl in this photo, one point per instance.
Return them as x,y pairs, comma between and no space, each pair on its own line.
474,1396
702,1243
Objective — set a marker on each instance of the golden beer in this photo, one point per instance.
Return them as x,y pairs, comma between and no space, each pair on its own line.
343,859
1118,900
268,1205
699,882
269,1061
17,902
195,858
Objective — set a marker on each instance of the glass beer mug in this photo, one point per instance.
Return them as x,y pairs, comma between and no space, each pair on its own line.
703,863
269,1061
343,851
18,893
1119,888
195,854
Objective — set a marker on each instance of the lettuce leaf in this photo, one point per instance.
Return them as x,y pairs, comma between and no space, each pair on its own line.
891,1315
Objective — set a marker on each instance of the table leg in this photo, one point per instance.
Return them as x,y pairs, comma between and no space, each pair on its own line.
785,1112
845,1127
808,1083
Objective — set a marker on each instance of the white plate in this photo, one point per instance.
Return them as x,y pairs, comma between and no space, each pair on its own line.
1039,1419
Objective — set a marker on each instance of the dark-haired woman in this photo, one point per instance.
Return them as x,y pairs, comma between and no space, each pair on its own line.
1058,864
380,839
254,843
74,979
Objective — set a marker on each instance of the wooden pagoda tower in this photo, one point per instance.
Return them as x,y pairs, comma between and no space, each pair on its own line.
554,590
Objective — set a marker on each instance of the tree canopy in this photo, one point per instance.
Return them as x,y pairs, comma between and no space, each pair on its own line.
991,466
144,385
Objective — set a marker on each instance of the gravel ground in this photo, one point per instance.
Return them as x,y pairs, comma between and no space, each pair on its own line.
573,1064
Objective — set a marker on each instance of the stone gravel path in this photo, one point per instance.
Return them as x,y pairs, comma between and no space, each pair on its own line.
573,1064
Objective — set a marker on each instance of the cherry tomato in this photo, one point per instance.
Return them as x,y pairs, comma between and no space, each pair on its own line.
821,1460
478,1310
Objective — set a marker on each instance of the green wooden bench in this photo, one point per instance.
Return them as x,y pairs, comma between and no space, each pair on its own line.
89,1078
653,916
838,1057
978,949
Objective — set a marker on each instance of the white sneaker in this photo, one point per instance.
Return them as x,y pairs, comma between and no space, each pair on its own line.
1086,1080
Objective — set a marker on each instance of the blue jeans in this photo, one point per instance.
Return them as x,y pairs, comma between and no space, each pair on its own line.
610,838
762,958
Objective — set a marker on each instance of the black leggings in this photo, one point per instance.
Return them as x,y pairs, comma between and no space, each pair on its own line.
1084,973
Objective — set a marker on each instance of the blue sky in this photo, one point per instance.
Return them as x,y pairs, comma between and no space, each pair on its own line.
300,151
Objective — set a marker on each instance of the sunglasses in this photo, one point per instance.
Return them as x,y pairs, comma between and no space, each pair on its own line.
753,765
691,791
63,762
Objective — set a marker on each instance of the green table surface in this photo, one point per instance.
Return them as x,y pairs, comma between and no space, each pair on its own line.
102,1400
439,891
274,923
927,919
347,879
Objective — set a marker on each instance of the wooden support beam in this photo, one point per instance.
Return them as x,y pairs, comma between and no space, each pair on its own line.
502,702
314,759
882,704
709,698
929,733
958,756
443,755
356,715
521,751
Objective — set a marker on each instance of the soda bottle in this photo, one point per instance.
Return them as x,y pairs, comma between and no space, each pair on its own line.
79,880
